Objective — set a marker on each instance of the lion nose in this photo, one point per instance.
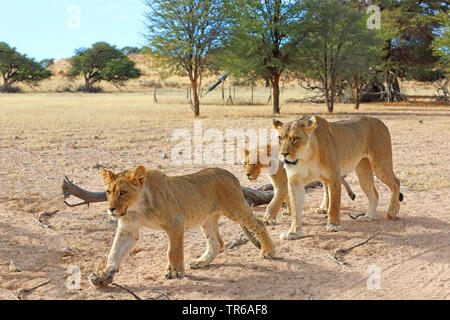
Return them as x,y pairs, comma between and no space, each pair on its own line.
112,209
284,154
249,174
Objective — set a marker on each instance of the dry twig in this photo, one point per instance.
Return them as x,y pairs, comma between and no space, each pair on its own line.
24,290
127,290
340,250
239,242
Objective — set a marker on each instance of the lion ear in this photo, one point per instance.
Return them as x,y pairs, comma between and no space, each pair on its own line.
140,174
309,125
276,124
107,176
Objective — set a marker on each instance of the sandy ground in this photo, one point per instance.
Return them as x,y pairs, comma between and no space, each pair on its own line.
46,136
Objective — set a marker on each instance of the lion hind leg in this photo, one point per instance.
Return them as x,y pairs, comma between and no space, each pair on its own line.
214,243
365,176
243,215
387,176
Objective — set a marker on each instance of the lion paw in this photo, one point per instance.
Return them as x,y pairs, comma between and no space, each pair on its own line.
267,253
290,235
196,264
334,228
364,218
269,220
321,211
173,274
102,279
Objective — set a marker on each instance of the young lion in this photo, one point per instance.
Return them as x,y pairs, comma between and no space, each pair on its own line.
314,149
140,198
280,186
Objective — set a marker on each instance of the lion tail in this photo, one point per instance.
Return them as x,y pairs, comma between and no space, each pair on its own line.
400,197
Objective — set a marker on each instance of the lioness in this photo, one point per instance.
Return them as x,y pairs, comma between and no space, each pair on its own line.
280,186
140,198
314,149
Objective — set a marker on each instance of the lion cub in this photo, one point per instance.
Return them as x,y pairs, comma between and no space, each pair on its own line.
280,186
140,198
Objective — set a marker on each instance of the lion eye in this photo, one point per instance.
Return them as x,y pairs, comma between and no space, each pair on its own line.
280,138
108,191
123,193
296,139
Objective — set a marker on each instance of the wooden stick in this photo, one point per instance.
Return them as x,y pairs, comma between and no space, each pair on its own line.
40,223
24,290
356,245
45,213
127,290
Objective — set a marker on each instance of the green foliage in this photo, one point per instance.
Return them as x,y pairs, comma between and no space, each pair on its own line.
130,50
184,36
337,45
119,71
441,44
47,62
410,28
16,67
263,40
263,36
103,62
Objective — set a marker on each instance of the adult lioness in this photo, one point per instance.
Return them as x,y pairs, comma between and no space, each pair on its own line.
280,185
140,198
315,149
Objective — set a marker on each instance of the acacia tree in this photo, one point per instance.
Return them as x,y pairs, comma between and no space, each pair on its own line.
332,31
102,62
263,41
407,52
16,67
184,35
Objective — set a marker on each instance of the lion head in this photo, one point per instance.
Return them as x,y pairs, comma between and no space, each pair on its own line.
122,189
253,170
294,138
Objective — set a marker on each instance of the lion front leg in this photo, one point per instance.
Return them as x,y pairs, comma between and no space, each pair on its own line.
175,268
274,207
334,222
323,209
296,197
125,240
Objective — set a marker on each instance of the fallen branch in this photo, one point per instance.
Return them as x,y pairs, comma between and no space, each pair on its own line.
337,261
127,290
254,197
356,245
40,223
24,290
239,242
45,213
340,250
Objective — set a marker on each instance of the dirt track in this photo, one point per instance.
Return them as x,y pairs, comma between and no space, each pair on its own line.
39,145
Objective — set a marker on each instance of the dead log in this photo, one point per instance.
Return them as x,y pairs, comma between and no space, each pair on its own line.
254,197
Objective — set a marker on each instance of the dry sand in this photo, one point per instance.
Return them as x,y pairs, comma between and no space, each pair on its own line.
46,136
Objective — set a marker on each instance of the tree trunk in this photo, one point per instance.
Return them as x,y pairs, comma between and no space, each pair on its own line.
276,93
196,103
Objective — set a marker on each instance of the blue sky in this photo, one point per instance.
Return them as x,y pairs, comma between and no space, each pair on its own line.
55,28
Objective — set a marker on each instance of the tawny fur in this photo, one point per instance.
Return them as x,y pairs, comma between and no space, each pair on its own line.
314,149
140,198
280,186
